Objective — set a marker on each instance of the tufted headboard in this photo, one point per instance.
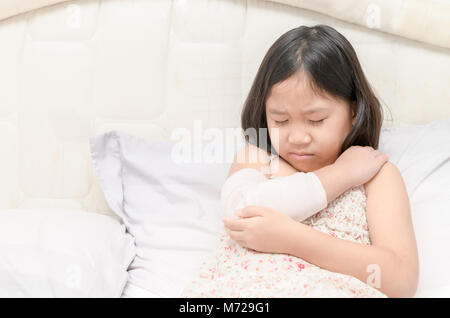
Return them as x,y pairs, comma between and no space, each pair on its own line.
73,69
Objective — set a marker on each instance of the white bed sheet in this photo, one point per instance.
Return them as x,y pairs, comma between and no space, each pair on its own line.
133,291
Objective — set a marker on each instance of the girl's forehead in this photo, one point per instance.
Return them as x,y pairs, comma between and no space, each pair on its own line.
290,84
296,96
294,89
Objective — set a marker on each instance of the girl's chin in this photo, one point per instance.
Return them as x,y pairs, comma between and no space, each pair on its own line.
305,166
302,167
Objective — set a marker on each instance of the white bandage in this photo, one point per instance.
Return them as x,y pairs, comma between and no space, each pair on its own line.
299,195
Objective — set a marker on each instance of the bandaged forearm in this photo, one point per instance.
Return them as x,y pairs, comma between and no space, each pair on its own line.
299,195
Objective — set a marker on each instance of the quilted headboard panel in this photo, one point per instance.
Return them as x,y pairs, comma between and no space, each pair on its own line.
79,68
410,19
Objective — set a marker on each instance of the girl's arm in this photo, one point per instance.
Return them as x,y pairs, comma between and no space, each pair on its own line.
252,187
392,257
335,181
248,184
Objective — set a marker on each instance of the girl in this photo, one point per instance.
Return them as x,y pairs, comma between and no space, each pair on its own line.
322,119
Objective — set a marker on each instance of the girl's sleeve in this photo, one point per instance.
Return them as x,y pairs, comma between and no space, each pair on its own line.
299,195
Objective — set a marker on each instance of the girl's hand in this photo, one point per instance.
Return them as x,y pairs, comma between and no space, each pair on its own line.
261,229
360,164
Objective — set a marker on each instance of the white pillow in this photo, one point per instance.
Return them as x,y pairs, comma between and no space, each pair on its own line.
54,253
172,209
422,154
417,150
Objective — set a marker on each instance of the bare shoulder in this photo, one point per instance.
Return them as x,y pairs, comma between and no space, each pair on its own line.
388,176
387,191
253,157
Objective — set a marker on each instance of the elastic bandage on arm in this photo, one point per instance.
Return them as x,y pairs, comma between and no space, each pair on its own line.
299,195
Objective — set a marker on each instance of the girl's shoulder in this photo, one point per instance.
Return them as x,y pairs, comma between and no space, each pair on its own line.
388,175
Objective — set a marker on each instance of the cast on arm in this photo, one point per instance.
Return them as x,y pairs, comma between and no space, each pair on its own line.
299,195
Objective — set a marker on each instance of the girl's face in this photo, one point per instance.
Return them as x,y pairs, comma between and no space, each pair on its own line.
307,123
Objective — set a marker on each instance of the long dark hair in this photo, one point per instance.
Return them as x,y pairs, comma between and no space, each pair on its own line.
331,64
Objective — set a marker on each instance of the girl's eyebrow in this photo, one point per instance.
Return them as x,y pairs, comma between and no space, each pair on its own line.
278,112
314,110
308,111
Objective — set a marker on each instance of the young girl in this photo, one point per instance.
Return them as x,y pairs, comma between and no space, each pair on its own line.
324,122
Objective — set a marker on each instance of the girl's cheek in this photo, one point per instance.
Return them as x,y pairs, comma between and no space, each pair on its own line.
276,140
280,144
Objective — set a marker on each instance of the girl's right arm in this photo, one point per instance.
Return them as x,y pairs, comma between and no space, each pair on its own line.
354,167
246,186
334,180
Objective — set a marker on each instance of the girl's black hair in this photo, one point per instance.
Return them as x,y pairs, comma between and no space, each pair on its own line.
331,65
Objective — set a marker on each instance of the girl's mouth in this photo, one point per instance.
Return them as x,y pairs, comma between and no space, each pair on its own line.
300,157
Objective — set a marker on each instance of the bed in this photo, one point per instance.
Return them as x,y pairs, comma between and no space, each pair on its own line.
73,70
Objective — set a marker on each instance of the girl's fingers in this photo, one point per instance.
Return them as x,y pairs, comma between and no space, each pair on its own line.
236,236
382,159
251,211
381,155
234,224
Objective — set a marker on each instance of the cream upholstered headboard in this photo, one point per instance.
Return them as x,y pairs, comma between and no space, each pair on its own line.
398,17
72,69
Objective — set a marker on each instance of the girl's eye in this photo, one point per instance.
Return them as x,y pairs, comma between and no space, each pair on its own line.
318,122
280,122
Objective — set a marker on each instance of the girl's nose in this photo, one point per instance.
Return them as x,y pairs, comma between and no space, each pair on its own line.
299,137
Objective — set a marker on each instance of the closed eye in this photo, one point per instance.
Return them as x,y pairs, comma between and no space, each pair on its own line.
280,122
313,122
318,122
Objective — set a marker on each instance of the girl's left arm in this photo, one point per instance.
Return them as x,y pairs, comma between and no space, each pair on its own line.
392,257
389,264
